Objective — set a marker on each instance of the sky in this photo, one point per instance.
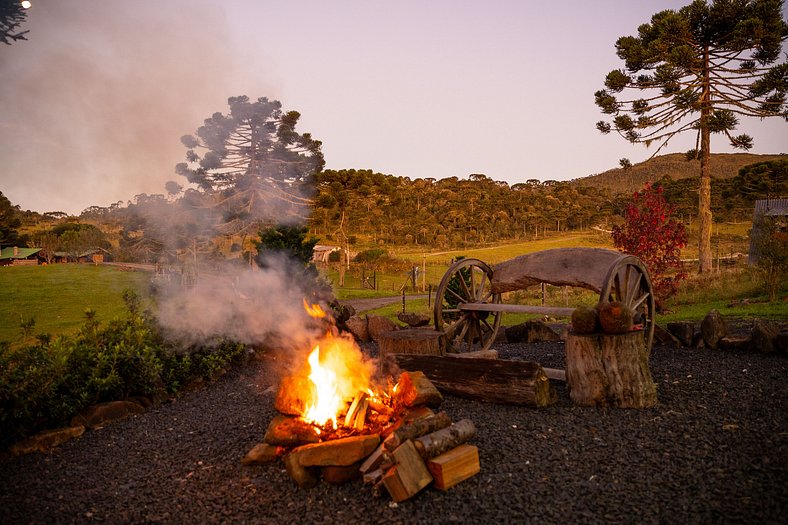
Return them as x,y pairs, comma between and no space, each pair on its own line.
93,104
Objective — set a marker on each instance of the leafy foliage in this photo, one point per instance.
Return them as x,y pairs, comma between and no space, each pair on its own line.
770,251
43,385
651,233
698,70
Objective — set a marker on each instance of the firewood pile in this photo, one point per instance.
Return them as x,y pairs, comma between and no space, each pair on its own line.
394,441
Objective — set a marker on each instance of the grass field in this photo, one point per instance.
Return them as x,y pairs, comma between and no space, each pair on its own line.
56,296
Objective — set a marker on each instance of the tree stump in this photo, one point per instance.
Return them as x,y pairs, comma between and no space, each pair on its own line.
422,342
612,370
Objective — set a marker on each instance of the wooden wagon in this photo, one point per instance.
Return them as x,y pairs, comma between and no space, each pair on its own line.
468,305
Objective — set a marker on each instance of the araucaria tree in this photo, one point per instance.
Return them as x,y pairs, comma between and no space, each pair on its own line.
699,69
253,164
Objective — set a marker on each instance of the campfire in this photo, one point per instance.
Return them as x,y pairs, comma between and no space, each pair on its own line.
341,419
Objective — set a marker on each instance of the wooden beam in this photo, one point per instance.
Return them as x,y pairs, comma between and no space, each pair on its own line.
516,308
491,380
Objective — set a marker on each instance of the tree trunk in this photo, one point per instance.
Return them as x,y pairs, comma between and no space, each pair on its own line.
704,193
491,380
609,370
424,341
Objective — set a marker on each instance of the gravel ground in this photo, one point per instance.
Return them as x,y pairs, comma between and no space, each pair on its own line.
714,450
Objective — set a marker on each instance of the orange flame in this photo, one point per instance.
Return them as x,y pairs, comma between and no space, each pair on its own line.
314,310
338,371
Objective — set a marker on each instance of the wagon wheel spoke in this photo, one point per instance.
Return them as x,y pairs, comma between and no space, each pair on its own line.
458,296
640,300
468,295
633,288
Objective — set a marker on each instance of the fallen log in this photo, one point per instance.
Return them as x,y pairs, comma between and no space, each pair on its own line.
491,380
440,441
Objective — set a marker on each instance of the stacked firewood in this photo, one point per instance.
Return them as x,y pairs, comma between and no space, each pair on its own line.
402,446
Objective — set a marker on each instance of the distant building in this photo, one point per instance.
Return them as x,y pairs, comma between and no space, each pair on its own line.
768,208
320,253
14,255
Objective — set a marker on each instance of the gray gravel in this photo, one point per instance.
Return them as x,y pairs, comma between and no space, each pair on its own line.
714,450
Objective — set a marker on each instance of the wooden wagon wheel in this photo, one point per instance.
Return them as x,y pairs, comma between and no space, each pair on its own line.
466,281
628,281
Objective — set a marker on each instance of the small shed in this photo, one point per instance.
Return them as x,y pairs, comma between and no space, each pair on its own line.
768,208
320,252
14,255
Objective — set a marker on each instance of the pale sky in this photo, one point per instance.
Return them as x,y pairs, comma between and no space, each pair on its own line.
93,104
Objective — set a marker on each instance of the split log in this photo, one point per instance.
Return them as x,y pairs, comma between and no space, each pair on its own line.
361,415
609,369
372,478
491,380
350,417
438,442
419,341
376,460
409,475
417,429
415,389
341,452
454,466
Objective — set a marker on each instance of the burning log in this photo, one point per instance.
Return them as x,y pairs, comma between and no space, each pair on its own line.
293,395
290,431
454,466
415,389
337,452
496,381
440,441
408,476
356,409
417,429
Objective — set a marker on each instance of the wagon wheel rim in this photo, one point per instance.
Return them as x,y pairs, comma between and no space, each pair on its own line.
468,281
628,281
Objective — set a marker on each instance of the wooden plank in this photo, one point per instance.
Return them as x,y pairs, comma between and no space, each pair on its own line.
409,475
491,380
556,311
454,466
580,267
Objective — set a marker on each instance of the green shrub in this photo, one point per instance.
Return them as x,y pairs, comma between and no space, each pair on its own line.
45,384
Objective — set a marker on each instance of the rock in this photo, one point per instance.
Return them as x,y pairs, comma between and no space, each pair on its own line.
305,477
46,440
665,338
533,331
413,319
684,331
585,320
713,328
357,326
288,431
415,389
377,325
764,336
782,342
337,475
261,454
104,413
615,317
737,343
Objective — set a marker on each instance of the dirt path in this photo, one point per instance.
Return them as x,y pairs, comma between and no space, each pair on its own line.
373,303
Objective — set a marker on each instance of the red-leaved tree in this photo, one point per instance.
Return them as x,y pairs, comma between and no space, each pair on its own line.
652,234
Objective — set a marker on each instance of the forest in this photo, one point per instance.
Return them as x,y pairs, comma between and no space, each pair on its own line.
367,209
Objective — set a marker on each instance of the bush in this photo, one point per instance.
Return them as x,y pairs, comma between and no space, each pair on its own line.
652,234
44,385
770,251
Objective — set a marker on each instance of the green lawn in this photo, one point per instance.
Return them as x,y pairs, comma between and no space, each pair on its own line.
56,296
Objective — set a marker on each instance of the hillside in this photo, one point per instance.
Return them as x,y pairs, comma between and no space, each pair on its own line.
675,166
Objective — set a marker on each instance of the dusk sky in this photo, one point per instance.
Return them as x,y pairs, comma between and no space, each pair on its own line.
95,101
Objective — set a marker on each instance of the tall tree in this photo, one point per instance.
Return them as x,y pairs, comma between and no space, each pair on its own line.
254,163
12,14
9,222
699,69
